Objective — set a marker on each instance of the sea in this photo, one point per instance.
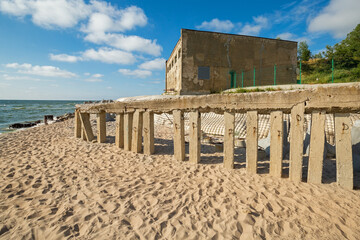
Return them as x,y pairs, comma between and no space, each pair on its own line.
18,111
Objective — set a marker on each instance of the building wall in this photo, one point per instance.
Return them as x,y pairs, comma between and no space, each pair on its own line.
221,53
173,70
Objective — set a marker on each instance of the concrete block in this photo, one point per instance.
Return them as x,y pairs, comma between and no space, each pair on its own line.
276,143
128,122
296,142
317,146
101,127
251,141
344,161
195,135
136,145
148,129
229,119
355,140
179,135
119,132
85,122
77,123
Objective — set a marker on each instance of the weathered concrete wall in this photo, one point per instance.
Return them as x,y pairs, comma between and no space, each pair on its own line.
173,70
227,52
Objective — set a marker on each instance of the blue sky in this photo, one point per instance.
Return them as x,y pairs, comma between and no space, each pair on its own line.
75,49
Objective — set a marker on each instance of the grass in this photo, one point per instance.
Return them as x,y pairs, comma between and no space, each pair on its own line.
340,76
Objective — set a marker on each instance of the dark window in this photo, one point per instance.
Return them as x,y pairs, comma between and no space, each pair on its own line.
204,73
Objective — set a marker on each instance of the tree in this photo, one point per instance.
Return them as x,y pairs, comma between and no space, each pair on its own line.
347,52
304,53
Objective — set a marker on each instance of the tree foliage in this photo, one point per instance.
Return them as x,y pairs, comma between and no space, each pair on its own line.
304,53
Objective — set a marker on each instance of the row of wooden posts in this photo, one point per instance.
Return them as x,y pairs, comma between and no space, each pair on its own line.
132,127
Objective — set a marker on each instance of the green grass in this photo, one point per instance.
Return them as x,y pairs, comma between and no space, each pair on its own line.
340,76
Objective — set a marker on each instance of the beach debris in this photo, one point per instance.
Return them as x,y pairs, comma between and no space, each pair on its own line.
48,117
24,124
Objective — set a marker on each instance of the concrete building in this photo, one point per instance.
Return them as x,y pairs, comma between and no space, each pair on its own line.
204,62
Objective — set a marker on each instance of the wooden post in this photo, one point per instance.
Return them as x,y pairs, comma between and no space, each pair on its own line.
128,121
229,119
195,135
101,127
317,143
77,123
85,121
83,134
344,161
251,141
136,145
148,132
276,143
179,135
296,142
119,135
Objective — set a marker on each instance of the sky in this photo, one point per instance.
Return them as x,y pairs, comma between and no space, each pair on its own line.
97,49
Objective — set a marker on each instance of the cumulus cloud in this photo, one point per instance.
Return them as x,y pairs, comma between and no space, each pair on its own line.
46,71
126,43
338,18
260,23
108,55
10,78
293,37
135,73
156,64
97,75
217,25
64,58
93,80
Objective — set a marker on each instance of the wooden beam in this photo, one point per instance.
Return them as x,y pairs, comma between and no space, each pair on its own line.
179,135
85,121
251,141
77,122
296,142
195,136
136,145
344,161
229,139
148,132
101,127
128,121
317,143
119,135
276,143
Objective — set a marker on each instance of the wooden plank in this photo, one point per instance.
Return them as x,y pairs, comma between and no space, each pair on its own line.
85,121
136,145
148,132
251,141
101,127
317,143
77,123
179,135
344,161
83,135
276,143
229,140
296,142
128,121
195,136
119,135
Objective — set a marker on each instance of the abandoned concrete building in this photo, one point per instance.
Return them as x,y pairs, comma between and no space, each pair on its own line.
204,62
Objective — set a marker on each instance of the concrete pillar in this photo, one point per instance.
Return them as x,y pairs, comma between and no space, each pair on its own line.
77,123
195,135
119,134
229,140
83,135
251,141
344,161
276,143
136,142
101,127
179,135
148,132
85,121
296,142
128,121
317,143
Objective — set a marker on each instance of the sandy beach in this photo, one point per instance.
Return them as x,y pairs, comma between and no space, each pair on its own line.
54,186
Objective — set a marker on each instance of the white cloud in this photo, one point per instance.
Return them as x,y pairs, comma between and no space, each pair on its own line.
97,75
48,13
156,64
93,80
46,71
127,43
260,23
10,78
338,18
136,73
217,25
293,37
109,55
64,58
87,74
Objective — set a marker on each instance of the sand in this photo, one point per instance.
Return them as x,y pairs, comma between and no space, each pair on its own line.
54,186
